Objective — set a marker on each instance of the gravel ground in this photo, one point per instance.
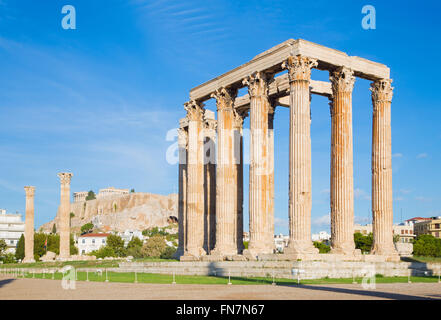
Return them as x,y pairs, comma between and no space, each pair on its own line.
40,289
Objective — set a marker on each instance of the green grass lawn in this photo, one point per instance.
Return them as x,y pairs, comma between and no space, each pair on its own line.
184,279
60,264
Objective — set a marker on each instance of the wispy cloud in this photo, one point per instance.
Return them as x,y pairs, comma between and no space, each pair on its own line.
361,194
397,155
423,199
324,220
422,155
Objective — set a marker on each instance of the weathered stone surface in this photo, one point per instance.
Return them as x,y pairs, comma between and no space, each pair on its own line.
135,211
48,256
64,215
29,225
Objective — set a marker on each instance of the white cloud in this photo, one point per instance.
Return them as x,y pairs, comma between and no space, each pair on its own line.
361,194
279,222
397,155
422,156
322,221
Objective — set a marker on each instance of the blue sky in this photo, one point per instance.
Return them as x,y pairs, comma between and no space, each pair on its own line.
99,100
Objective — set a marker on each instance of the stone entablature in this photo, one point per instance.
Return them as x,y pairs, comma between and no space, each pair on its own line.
111,191
266,91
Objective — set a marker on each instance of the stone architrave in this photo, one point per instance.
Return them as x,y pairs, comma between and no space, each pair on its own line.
226,195
382,201
195,181
64,215
29,225
342,185
258,84
182,203
300,202
210,125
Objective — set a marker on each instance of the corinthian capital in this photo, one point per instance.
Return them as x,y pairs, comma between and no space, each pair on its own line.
342,80
30,191
65,177
258,84
382,90
182,138
195,110
299,67
224,98
239,117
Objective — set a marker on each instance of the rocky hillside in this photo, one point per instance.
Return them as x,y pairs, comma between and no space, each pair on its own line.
134,211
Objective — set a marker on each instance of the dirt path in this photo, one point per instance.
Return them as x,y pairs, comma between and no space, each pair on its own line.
52,289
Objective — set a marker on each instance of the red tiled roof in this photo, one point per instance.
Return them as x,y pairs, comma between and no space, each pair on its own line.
95,235
419,218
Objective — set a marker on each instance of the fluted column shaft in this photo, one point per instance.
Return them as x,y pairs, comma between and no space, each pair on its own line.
195,181
226,184
300,202
259,163
29,225
342,185
239,117
382,201
270,225
210,183
182,194
64,215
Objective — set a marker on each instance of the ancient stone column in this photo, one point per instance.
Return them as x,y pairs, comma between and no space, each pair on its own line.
259,163
29,225
342,185
300,202
270,225
182,195
239,117
210,125
226,200
195,180
64,215
382,211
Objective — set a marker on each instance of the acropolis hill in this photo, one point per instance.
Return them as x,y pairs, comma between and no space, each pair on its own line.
120,211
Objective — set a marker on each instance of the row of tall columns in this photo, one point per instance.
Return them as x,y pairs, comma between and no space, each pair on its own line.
228,179
63,219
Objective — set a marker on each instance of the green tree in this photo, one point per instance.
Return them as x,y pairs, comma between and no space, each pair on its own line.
132,190
73,247
54,229
117,244
168,253
90,195
362,242
154,247
427,245
323,248
103,252
8,258
135,242
19,251
3,247
85,228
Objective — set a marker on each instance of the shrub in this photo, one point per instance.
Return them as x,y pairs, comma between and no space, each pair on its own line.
323,248
427,245
8,258
154,247
135,242
103,252
362,242
168,253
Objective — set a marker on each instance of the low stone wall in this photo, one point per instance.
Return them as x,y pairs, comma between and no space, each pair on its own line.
283,269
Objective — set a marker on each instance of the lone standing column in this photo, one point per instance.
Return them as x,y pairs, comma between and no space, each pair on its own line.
259,163
382,211
342,185
300,202
226,200
29,225
64,212
182,203
195,180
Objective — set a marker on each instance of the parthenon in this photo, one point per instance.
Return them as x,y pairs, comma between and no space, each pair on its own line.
211,179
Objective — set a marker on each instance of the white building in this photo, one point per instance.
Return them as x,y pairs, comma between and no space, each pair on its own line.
91,241
322,236
128,235
280,242
11,229
403,230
